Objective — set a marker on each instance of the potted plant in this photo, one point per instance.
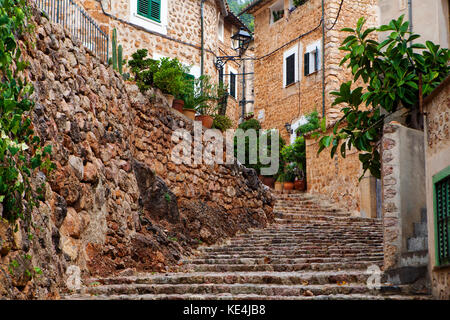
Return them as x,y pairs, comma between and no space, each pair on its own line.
169,77
289,178
268,181
178,104
207,102
189,96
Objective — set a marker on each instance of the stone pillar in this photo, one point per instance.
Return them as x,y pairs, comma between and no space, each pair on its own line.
404,202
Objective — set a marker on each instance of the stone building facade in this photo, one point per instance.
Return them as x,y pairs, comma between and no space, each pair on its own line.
177,34
437,171
314,73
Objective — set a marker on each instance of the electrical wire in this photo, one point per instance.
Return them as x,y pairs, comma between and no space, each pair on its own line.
337,17
291,41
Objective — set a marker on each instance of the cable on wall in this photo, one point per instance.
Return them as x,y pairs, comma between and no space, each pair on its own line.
337,17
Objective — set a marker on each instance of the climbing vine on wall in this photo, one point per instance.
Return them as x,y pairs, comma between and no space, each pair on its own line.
21,152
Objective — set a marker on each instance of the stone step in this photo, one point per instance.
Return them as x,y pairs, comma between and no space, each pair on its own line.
417,244
267,290
338,244
314,217
242,297
299,248
274,258
265,277
277,267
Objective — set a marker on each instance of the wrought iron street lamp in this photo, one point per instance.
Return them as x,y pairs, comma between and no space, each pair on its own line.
243,39
288,127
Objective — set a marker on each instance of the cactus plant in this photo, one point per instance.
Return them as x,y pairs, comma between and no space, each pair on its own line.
119,58
114,49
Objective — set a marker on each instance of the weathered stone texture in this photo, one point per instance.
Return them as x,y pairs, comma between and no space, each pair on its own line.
336,178
99,213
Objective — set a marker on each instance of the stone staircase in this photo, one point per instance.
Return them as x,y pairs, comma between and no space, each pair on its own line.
312,251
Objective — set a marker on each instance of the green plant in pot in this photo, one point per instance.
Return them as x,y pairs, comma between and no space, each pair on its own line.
170,78
295,156
207,101
289,177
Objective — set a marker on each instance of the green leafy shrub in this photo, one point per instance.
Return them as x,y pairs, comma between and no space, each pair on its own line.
311,125
169,76
21,151
222,123
166,74
143,69
255,125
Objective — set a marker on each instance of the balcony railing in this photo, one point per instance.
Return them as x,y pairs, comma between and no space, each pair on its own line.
72,17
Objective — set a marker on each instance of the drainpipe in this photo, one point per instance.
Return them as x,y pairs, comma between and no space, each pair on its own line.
244,102
410,15
323,58
202,59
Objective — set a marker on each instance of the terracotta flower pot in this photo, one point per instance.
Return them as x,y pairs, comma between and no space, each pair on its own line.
207,121
288,186
169,98
269,181
190,113
278,186
300,185
178,105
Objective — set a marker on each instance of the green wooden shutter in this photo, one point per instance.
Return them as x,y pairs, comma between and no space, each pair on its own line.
442,219
232,84
290,69
306,63
150,9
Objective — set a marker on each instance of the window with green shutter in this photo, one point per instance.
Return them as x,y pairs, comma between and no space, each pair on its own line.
441,190
150,9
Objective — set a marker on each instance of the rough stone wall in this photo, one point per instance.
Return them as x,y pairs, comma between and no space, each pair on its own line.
282,105
437,158
337,178
116,202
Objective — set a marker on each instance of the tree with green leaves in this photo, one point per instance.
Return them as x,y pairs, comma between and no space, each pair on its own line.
395,73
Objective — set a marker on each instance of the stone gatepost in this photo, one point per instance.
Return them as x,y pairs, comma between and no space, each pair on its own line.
404,204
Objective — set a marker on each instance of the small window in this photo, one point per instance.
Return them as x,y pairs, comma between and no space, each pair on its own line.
290,69
220,28
277,11
150,9
233,84
290,66
312,59
441,188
